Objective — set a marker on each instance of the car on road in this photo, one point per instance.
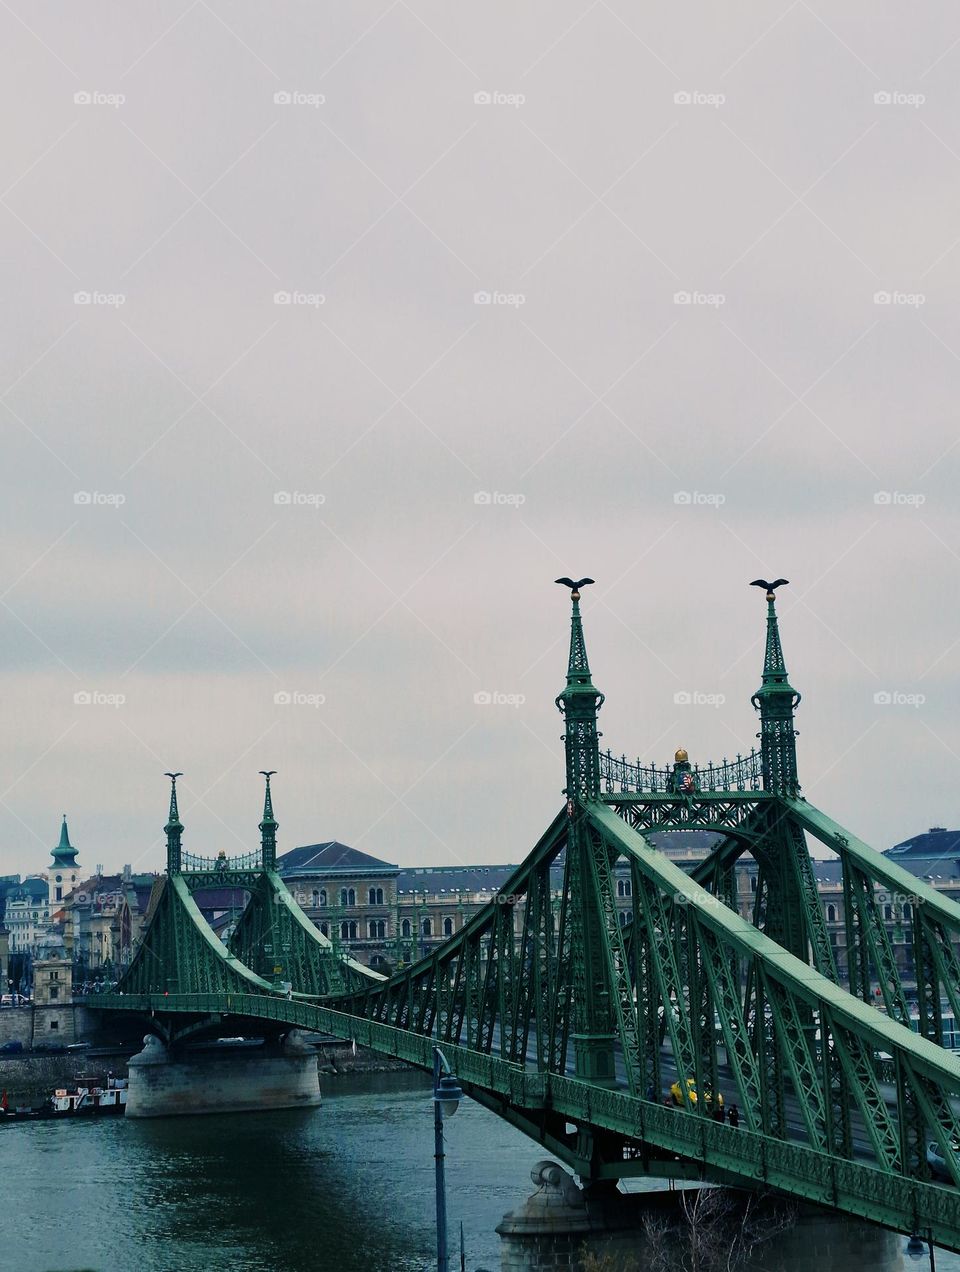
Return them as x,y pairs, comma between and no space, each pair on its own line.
677,1095
12,1048
938,1163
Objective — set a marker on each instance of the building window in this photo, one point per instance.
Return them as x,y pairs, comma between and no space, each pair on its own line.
59,894
54,1024
324,929
377,929
427,928
352,897
376,896
323,897
316,898
623,887
888,913
907,911
753,883
348,931
831,914
54,991
448,927
405,927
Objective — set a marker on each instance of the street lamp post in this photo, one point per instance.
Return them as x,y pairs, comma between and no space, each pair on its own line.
446,1098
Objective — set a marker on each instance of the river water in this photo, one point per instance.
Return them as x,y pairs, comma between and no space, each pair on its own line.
346,1188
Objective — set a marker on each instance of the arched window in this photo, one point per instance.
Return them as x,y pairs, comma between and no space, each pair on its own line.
623,887
405,927
427,928
888,913
831,914
325,929
376,896
344,931
448,927
352,897
316,898
907,911
323,897
343,896
753,883
622,917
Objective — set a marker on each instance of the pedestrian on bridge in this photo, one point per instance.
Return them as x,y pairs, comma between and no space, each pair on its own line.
734,1116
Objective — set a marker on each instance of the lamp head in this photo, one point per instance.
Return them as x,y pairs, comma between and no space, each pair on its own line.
448,1095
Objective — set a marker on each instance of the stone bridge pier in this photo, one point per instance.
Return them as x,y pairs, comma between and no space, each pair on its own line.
560,1226
165,1082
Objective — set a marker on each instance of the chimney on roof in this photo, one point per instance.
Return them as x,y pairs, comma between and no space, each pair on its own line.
937,830
127,874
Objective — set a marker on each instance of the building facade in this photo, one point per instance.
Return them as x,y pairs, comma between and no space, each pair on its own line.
348,894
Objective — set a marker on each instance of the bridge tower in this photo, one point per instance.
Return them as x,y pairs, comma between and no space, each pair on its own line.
776,700
582,934
173,829
268,827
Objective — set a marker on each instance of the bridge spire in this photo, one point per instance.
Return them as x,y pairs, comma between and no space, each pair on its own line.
173,828
268,827
578,704
776,700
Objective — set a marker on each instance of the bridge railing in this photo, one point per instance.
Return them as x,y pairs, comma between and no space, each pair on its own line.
190,863
622,776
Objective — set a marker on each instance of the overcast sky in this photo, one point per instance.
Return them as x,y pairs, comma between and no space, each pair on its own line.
360,498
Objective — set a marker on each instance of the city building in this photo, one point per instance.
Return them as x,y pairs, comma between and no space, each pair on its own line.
102,919
27,913
348,894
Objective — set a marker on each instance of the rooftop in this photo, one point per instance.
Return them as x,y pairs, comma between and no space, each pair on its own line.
330,858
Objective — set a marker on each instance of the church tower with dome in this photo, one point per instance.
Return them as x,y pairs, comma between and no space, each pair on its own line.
64,872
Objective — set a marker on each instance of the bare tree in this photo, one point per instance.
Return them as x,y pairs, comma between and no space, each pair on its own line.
714,1230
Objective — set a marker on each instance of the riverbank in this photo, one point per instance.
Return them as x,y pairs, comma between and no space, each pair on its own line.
29,1077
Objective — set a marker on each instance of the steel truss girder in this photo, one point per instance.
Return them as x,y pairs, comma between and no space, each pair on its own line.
720,811
782,978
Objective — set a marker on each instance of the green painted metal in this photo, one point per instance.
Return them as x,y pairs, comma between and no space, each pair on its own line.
556,1017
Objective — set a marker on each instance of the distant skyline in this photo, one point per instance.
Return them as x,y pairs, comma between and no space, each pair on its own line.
330,339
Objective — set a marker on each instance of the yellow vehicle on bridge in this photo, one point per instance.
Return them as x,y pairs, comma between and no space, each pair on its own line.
680,1097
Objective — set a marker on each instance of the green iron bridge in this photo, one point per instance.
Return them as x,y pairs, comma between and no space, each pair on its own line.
571,1027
